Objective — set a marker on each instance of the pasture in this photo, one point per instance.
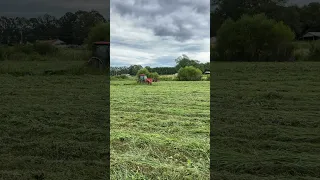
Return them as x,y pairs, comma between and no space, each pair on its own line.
160,131
265,121
54,120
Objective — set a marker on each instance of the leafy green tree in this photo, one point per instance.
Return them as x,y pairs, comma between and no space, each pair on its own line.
189,73
254,38
100,32
154,75
184,61
149,68
143,71
133,69
234,9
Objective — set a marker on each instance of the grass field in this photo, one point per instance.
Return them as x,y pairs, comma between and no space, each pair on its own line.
52,126
160,131
266,121
266,124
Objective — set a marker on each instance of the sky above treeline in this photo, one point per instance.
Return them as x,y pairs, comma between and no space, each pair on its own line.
155,33
57,8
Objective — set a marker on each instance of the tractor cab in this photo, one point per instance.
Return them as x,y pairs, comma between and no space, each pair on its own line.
143,79
100,55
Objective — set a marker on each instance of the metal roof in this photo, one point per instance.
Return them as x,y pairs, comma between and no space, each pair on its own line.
311,34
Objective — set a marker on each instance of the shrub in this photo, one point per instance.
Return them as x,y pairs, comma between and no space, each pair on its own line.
143,71
18,56
35,57
167,78
254,38
123,76
314,51
45,48
301,54
26,49
189,73
6,52
100,32
208,77
154,75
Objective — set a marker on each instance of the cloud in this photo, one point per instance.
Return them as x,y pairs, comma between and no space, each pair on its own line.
34,8
156,32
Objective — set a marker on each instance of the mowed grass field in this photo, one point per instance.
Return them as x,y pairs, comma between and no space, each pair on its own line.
160,131
52,126
265,121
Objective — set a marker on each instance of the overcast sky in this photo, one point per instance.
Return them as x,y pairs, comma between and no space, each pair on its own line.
34,8
156,32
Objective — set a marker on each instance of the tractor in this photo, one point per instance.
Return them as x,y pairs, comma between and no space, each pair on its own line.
143,79
100,55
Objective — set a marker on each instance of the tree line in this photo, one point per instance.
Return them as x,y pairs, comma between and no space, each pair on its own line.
300,19
181,62
262,30
72,28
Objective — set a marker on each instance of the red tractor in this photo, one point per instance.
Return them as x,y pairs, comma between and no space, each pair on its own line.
144,79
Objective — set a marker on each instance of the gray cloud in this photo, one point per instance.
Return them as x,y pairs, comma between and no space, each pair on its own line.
179,18
34,8
156,32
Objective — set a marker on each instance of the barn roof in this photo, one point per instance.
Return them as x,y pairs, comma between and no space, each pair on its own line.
312,34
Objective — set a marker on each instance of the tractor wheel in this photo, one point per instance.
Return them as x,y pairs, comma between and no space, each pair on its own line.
95,62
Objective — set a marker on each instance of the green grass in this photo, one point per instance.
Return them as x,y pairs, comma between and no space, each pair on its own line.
160,131
265,121
52,127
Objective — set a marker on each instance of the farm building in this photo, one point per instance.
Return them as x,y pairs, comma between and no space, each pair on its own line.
311,36
55,42
206,72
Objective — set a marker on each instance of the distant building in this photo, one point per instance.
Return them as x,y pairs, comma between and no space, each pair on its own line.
125,75
55,42
311,36
206,72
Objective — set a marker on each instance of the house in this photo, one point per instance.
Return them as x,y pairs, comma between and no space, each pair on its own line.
206,72
311,36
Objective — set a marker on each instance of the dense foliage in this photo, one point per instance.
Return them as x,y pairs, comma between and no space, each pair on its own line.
189,73
300,19
262,30
254,38
72,28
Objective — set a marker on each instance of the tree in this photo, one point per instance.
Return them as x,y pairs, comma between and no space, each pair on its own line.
225,9
310,17
143,71
133,69
184,61
100,32
253,38
149,68
66,27
72,28
83,23
189,73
